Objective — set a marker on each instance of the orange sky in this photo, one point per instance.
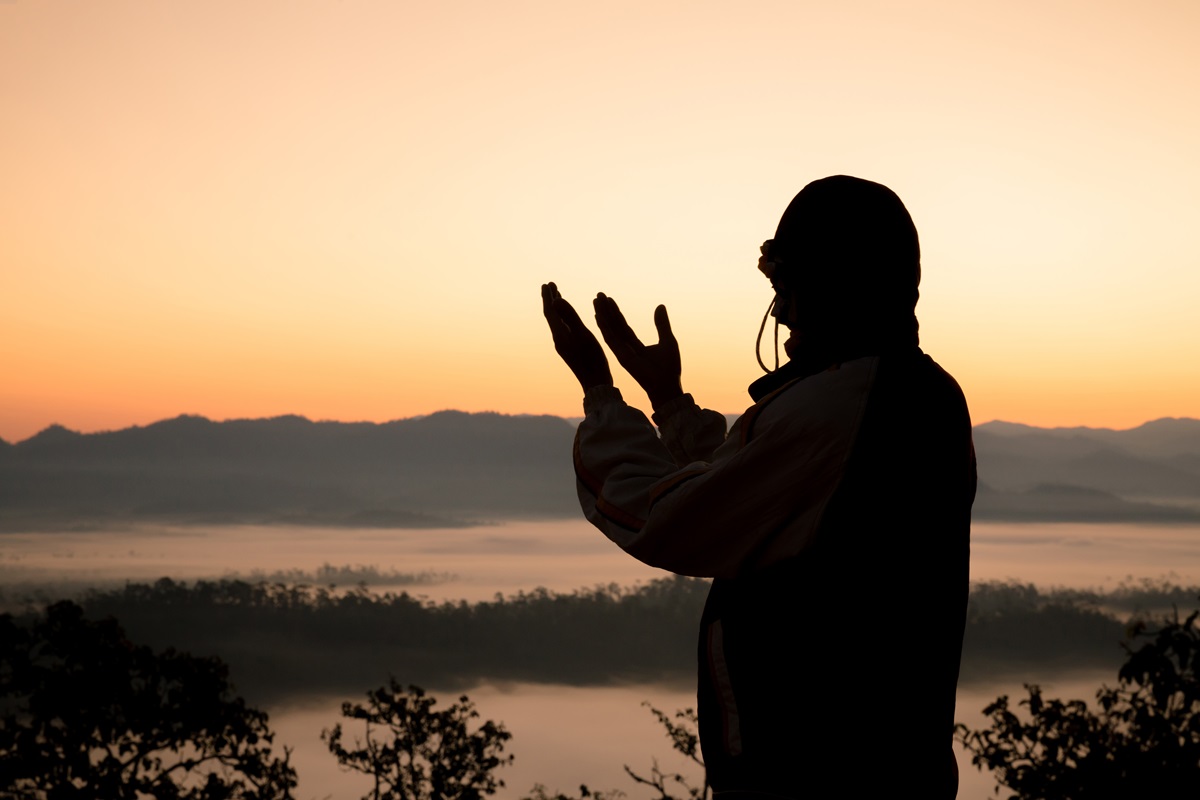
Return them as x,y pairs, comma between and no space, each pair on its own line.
345,209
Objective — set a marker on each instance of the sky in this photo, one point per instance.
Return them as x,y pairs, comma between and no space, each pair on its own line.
345,210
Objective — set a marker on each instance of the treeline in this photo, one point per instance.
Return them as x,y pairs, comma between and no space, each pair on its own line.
285,640
26,595
282,640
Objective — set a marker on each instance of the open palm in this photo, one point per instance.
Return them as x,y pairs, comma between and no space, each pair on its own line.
573,342
656,367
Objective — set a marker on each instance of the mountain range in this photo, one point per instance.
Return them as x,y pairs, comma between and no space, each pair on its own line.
454,468
1147,473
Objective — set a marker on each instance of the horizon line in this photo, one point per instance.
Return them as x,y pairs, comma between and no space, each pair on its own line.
573,420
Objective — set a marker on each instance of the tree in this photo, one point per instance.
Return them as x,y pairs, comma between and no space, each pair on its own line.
682,731
85,713
415,752
1142,739
540,792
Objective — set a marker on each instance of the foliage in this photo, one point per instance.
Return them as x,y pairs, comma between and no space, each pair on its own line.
292,640
415,752
84,713
681,729
285,640
539,792
685,740
1141,740
1019,628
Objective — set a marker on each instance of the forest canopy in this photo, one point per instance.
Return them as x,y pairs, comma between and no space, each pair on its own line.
285,640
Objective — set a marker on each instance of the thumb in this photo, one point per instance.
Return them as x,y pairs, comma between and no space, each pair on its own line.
663,324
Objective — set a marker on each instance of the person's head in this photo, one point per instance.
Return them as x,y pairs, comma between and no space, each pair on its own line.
846,266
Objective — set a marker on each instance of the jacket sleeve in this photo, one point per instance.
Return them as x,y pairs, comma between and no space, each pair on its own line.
756,500
689,432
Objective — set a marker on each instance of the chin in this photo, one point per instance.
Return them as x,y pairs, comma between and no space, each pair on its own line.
793,344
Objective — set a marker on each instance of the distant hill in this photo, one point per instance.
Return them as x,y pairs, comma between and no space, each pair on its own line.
1148,472
442,469
456,468
1160,438
1067,503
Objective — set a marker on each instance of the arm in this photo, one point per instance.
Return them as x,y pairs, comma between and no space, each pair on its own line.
689,432
760,497
758,501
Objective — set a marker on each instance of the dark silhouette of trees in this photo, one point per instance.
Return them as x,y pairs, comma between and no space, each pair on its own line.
1141,740
682,729
416,752
292,640
283,640
85,713
540,792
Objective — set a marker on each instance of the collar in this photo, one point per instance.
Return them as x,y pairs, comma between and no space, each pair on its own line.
806,366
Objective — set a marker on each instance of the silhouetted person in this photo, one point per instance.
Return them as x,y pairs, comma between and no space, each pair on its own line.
834,516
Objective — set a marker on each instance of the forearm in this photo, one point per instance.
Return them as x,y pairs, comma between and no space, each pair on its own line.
705,519
689,432
758,500
618,456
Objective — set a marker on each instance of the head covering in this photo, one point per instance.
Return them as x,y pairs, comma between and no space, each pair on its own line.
849,251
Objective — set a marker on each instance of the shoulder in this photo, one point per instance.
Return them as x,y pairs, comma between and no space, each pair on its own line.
916,412
920,387
812,414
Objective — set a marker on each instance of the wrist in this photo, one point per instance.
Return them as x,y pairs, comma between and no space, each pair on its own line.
599,397
595,379
672,408
662,397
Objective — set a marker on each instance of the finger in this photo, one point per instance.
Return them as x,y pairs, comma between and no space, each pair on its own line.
663,323
549,296
569,316
614,328
557,328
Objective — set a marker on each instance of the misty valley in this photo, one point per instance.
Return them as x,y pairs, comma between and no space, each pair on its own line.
309,617
317,559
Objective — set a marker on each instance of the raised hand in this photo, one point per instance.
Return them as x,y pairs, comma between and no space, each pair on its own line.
655,367
573,341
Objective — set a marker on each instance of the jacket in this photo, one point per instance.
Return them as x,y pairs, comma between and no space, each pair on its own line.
834,518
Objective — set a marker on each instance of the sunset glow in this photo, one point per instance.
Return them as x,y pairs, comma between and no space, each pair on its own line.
345,210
